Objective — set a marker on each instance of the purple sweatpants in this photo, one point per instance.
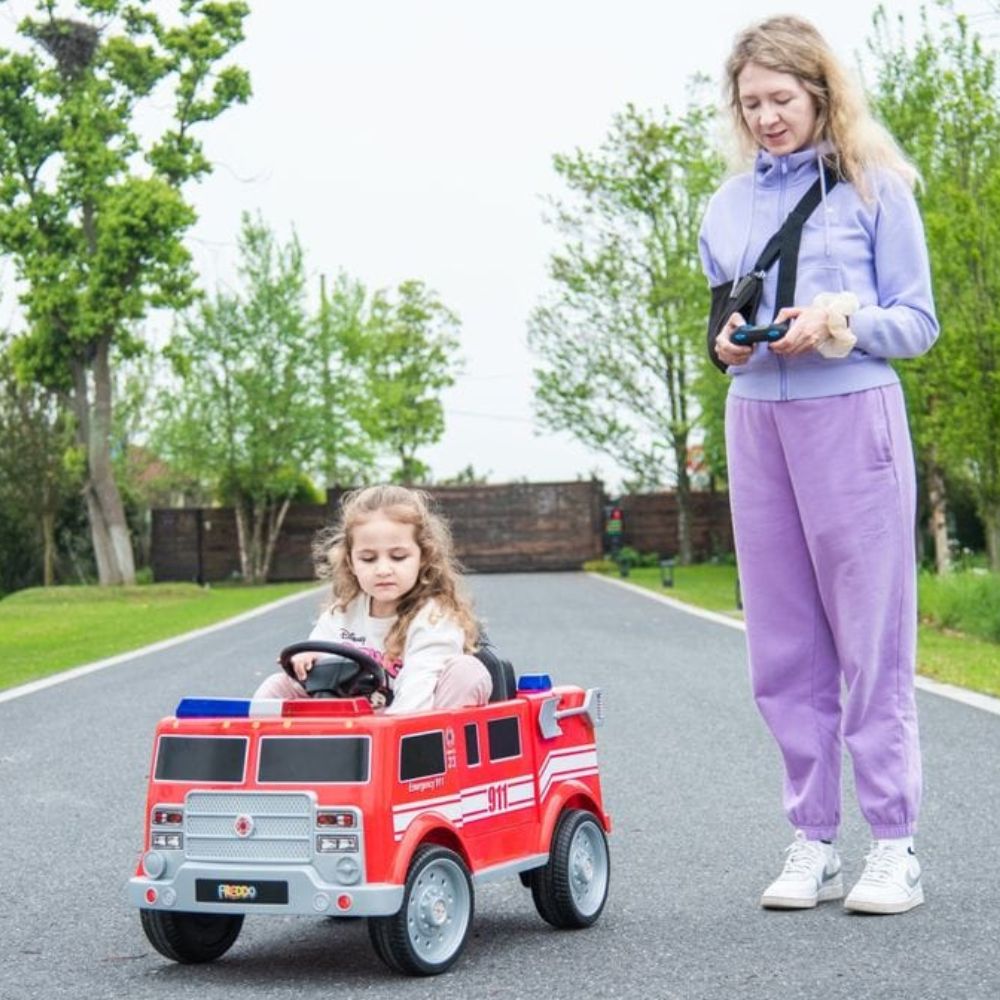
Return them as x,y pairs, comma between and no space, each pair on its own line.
823,502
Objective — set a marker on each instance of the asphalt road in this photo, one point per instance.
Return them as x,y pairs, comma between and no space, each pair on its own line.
690,777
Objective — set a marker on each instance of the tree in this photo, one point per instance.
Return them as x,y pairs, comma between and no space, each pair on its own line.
246,417
407,353
91,210
941,98
39,466
621,336
348,448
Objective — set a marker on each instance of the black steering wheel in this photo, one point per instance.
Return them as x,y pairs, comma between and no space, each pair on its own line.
367,677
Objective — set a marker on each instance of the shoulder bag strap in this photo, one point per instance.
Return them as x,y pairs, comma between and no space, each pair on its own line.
786,241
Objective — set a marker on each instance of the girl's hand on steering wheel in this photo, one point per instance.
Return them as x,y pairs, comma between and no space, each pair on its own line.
302,663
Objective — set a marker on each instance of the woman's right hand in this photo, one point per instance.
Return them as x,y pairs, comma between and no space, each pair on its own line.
728,352
302,663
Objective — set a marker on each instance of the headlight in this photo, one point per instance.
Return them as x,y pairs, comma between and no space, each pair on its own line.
167,841
331,843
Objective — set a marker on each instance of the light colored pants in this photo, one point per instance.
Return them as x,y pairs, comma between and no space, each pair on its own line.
463,682
823,503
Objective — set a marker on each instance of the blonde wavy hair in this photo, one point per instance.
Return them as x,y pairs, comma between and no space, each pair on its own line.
790,44
439,578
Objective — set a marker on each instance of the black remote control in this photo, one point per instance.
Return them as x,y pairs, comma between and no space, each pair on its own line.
766,334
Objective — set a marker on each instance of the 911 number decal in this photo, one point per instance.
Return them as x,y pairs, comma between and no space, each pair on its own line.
498,797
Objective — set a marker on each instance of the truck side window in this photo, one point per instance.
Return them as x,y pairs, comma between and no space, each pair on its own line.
471,744
504,738
421,755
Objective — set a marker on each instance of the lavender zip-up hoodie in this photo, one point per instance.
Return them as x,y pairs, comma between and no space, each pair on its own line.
874,249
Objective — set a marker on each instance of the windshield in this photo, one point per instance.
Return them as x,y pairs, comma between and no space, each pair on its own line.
201,758
313,759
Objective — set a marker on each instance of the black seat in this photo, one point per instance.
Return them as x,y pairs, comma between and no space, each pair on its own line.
501,671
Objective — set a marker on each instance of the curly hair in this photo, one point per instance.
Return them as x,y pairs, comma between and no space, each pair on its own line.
790,44
439,578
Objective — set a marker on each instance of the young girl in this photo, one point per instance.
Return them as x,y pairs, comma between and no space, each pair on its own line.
396,595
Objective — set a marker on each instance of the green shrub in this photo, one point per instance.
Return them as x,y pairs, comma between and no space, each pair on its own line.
600,566
965,602
636,558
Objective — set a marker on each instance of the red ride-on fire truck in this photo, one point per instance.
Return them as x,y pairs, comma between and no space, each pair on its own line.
322,806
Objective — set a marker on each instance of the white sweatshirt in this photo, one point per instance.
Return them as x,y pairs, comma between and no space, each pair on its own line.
433,637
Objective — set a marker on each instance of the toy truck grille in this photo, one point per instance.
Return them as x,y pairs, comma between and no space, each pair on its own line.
282,831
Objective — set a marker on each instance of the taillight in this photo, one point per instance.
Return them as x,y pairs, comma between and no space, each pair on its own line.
338,819
168,817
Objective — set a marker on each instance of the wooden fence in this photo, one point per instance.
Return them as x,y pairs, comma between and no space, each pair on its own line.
517,527
649,524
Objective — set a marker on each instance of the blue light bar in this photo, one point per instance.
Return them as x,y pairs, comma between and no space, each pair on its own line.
213,708
534,682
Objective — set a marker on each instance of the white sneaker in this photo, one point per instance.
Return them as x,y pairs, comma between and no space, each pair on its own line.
890,882
810,876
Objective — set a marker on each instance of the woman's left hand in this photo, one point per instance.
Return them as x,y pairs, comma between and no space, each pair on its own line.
807,332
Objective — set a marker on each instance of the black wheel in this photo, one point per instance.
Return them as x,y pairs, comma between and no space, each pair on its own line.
430,930
570,891
191,937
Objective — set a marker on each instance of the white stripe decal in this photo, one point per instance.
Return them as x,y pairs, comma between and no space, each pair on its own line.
582,773
450,808
486,814
563,764
424,803
558,760
471,804
473,789
523,792
495,798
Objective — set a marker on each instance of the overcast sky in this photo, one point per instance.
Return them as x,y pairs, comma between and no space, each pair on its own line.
407,139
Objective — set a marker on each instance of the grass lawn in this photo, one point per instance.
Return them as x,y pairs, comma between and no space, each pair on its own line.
44,630
947,656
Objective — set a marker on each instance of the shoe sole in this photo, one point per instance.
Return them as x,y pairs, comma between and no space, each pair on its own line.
834,889
872,906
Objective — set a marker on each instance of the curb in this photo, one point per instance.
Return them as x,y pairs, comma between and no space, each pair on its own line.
89,668
973,699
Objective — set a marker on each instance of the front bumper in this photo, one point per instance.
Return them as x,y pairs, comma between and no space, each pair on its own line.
308,895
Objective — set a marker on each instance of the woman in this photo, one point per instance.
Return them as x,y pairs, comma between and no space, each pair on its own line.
822,483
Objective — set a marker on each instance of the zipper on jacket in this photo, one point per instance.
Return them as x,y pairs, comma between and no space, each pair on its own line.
782,190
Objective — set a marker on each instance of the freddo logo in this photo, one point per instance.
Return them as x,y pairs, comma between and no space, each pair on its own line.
229,891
